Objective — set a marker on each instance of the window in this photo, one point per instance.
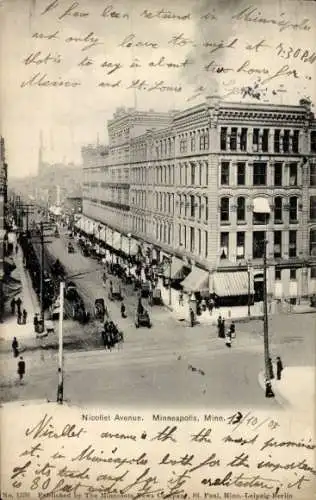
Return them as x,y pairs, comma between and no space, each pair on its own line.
241,173
277,275
199,241
206,243
224,245
313,141
183,145
192,239
206,207
186,206
312,174
180,234
192,174
278,212
278,168
292,274
200,207
312,242
233,139
276,142
243,139
259,174
224,209
292,243
240,250
313,272
186,167
312,208
265,140
204,140
286,141
185,236
293,174
225,173
206,173
258,244
277,248
223,138
295,141
193,142
200,173
192,205
255,139
293,208
241,209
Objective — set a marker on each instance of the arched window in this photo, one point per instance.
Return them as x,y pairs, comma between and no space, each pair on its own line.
224,213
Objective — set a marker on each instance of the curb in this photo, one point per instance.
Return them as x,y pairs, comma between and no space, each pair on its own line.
277,395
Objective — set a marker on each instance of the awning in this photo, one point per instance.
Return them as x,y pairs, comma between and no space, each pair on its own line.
196,281
232,284
129,248
11,288
177,269
115,241
261,206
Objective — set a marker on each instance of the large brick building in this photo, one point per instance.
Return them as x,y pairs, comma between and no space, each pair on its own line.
195,184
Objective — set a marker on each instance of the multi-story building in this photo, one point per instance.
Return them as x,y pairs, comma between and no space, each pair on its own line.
217,181
3,205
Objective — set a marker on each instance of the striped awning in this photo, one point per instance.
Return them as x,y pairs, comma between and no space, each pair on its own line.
232,284
177,269
196,281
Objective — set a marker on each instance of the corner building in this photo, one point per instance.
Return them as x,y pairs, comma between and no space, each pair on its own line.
195,184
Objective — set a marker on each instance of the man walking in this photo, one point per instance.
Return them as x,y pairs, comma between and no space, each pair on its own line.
12,304
279,367
24,316
21,368
15,347
18,304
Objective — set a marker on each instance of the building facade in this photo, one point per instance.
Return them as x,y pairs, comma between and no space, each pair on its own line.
211,183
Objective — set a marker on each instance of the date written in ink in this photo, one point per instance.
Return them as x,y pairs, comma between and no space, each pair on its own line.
251,421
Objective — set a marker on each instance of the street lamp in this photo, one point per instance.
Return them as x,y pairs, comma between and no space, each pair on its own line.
261,206
129,254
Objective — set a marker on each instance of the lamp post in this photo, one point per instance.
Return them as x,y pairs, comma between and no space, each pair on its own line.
60,388
169,283
249,295
129,254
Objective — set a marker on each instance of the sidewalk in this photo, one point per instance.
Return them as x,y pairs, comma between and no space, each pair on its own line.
181,312
9,327
296,390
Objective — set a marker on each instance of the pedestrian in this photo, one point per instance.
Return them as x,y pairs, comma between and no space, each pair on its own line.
15,347
123,310
279,367
232,330
18,304
24,316
222,329
191,317
211,305
35,322
12,304
270,366
228,340
21,368
219,322
19,317
181,298
16,248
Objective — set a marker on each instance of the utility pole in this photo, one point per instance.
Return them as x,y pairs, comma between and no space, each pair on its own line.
170,260
269,392
42,273
60,388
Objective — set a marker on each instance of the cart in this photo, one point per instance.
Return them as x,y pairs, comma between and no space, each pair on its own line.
99,309
145,289
155,297
71,248
142,319
115,293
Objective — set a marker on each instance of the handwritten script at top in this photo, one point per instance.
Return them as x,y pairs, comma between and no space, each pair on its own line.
140,57
160,457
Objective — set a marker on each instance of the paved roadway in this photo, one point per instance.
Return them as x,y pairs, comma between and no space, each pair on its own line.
154,366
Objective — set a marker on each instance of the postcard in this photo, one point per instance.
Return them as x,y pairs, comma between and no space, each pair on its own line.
158,249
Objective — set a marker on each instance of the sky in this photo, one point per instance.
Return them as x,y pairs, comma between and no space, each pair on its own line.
215,48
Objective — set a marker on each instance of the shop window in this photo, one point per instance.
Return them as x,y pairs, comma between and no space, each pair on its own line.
240,250
278,170
224,245
224,214
259,174
233,139
312,208
241,173
223,138
243,139
293,274
277,275
276,140
241,209
225,173
277,248
278,211
292,243
258,244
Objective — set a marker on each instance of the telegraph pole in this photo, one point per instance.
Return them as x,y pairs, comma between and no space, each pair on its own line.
269,391
60,388
42,273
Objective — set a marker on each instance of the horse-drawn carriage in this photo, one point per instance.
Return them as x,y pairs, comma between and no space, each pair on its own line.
99,309
145,289
71,248
155,297
115,292
142,318
111,335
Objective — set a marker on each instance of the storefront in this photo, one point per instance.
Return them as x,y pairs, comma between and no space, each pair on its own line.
232,288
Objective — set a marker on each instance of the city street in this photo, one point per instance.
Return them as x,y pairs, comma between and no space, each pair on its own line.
169,365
